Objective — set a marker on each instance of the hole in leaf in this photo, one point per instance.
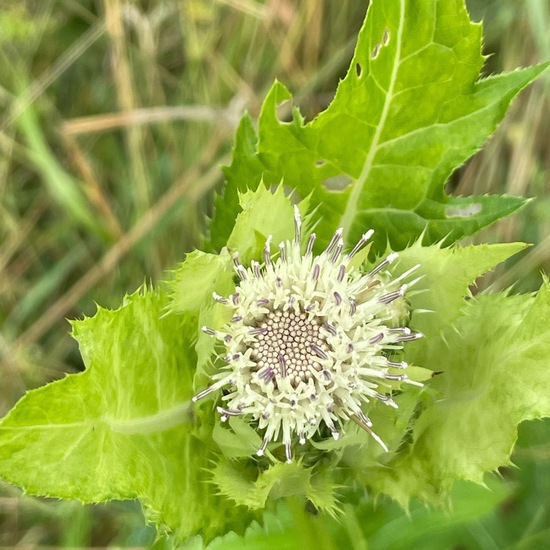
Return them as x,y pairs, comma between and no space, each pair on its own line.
320,163
464,212
358,70
384,42
284,111
337,183
311,508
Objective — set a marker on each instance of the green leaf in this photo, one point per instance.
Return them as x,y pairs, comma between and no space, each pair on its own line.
191,289
263,213
197,278
369,524
447,221
444,277
239,482
424,527
123,429
288,526
241,441
244,173
410,110
494,376
437,299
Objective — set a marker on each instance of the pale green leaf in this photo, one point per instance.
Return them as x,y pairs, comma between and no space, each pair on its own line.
240,482
368,524
444,277
241,441
191,291
495,368
264,213
124,428
197,278
436,299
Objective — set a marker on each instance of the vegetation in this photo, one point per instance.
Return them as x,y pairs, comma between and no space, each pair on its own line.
117,119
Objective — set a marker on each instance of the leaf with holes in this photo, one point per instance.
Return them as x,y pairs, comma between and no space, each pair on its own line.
411,109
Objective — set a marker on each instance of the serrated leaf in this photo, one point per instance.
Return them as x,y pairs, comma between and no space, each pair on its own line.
410,110
124,428
369,524
494,377
215,316
191,288
444,277
239,482
424,524
263,213
288,526
436,300
244,173
241,441
446,222
197,278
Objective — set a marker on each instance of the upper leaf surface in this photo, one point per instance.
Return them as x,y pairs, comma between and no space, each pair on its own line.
197,278
409,111
123,428
494,376
263,214
438,297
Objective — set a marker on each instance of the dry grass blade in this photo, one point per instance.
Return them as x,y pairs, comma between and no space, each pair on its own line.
137,117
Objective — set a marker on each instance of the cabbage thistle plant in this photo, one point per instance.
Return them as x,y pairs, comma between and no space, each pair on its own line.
324,347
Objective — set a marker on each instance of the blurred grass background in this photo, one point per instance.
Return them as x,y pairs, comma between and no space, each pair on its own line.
115,117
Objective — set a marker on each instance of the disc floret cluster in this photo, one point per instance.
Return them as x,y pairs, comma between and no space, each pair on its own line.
310,342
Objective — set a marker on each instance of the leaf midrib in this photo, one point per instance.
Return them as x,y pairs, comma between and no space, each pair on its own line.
350,212
158,422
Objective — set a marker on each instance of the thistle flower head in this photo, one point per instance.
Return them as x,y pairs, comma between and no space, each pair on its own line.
310,341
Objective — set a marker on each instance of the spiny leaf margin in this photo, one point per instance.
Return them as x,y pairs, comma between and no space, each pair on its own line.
494,377
410,110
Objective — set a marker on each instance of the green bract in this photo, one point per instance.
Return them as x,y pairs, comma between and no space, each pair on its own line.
411,109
